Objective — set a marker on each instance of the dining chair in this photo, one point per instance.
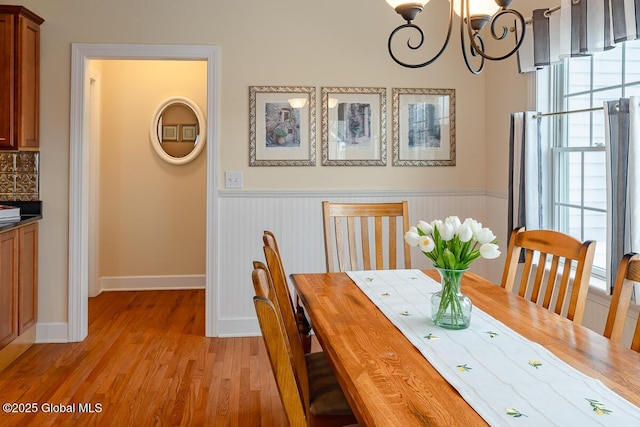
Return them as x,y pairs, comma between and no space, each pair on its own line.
348,223
628,273
304,380
561,250
302,323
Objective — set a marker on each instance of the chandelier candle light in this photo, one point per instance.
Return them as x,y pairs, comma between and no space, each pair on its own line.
474,16
452,246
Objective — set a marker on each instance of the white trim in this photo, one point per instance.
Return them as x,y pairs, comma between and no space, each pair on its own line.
225,193
53,332
78,170
239,327
152,283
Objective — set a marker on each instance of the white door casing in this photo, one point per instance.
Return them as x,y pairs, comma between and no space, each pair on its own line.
79,165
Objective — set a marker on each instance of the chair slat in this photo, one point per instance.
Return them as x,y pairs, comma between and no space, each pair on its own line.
564,286
526,272
353,247
379,244
392,243
366,247
553,272
537,282
340,242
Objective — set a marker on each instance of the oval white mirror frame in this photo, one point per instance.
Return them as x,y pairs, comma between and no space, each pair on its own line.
197,136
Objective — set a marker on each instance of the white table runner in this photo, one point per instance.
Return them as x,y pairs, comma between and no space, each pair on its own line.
504,377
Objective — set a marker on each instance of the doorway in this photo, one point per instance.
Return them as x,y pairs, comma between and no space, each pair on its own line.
80,164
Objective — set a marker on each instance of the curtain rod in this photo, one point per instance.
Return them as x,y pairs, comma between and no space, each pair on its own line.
559,113
552,10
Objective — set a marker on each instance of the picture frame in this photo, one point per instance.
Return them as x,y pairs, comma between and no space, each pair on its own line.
282,134
424,127
169,132
188,132
354,126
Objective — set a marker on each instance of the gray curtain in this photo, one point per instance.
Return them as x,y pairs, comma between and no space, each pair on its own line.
622,133
578,29
525,172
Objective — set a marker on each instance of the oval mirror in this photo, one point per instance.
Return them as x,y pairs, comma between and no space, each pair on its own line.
178,130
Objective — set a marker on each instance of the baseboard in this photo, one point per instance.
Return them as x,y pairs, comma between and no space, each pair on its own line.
53,332
152,283
15,348
238,327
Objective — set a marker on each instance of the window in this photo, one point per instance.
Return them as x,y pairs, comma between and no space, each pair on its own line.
576,140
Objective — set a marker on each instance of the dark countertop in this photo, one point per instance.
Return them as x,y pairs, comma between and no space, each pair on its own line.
29,212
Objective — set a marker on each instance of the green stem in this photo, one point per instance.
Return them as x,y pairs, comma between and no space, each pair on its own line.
449,302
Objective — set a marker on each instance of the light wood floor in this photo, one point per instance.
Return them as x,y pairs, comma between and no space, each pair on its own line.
146,362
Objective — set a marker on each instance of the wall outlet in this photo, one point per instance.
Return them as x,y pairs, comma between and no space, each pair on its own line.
233,179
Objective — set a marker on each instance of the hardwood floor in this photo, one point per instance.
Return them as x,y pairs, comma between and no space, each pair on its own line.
145,362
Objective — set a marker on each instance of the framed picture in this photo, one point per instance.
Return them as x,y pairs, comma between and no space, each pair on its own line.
424,127
354,126
282,126
169,132
189,132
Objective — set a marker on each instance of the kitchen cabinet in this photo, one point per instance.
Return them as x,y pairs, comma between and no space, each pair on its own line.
19,78
18,290
8,287
27,276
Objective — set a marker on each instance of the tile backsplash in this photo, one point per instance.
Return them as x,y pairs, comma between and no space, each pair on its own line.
19,173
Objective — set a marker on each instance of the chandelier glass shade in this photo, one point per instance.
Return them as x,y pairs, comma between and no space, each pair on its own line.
474,16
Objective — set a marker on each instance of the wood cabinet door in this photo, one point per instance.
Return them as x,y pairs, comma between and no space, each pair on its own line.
27,277
8,287
28,84
7,79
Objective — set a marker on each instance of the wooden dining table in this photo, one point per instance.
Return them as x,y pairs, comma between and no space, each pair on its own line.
388,382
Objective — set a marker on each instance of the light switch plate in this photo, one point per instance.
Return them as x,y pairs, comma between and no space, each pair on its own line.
233,179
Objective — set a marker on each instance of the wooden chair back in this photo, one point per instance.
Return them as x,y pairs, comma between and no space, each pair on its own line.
282,295
276,342
282,286
348,224
266,288
311,373
542,247
628,273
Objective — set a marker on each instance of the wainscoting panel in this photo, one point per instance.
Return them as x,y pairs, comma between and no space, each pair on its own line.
296,220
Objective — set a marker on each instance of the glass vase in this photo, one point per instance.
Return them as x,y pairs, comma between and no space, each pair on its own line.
450,308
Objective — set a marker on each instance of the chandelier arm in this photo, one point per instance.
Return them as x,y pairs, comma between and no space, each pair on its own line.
473,49
418,45
479,49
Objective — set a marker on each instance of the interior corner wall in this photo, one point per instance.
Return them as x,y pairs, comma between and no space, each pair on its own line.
152,213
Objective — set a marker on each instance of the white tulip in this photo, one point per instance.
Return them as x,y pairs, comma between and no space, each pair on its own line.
446,231
465,233
484,235
473,224
426,244
455,223
425,227
412,237
489,251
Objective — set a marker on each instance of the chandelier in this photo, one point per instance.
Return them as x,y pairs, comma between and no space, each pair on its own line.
474,16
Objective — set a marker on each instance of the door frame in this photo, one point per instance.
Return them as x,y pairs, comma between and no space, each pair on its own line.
79,176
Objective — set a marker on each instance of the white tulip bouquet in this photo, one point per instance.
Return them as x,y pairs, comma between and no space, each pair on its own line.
453,244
